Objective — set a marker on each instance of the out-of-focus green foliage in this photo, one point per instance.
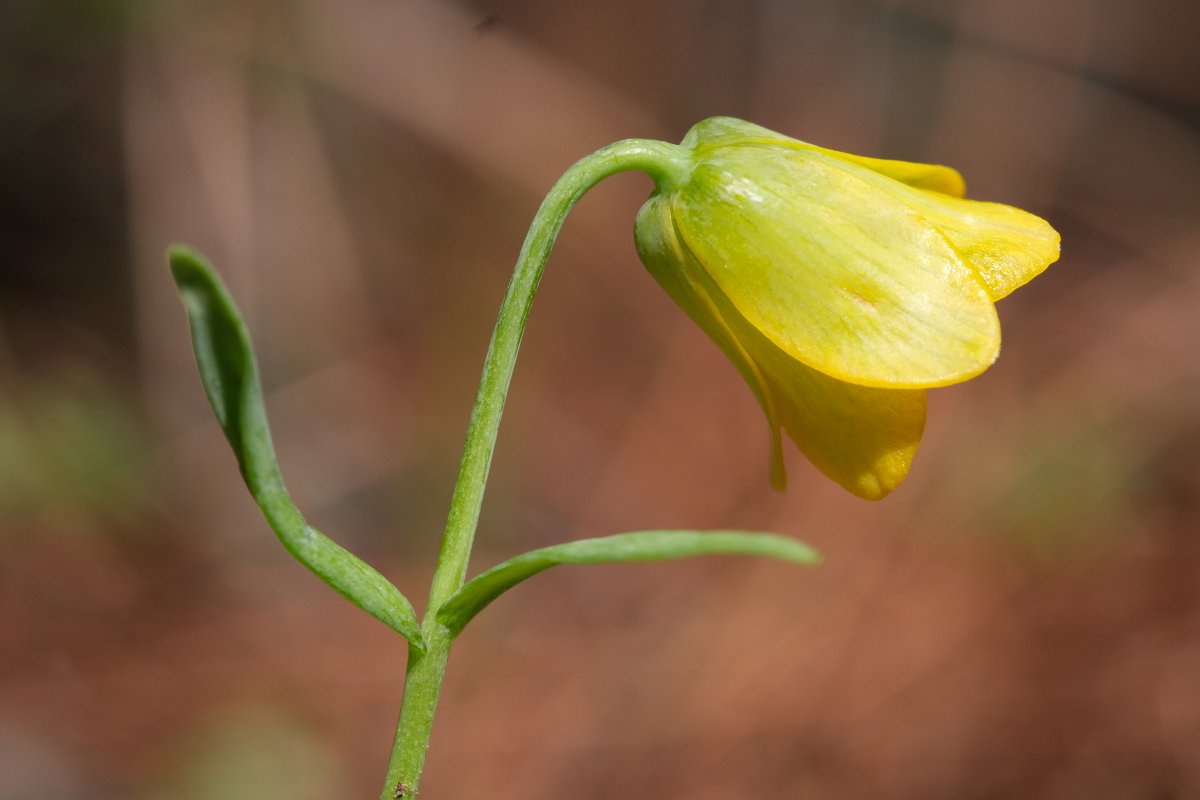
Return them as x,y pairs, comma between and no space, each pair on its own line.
72,459
251,753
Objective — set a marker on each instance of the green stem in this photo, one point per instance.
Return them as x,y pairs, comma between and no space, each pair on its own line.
667,165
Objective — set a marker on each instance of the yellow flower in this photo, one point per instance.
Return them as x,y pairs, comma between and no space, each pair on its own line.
841,287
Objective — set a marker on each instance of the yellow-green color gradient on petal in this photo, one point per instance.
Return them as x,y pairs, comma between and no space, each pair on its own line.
840,286
829,254
864,438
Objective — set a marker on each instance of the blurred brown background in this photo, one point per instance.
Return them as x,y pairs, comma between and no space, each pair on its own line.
1020,620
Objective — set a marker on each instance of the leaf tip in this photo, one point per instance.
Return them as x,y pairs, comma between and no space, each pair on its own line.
188,266
811,557
796,552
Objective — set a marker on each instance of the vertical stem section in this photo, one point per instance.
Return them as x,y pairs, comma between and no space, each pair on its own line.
668,165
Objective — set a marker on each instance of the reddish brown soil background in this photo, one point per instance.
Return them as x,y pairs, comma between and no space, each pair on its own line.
1020,620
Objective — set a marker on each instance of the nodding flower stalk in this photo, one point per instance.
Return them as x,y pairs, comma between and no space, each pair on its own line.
667,165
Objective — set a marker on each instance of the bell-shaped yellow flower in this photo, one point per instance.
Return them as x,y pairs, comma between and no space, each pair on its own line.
841,287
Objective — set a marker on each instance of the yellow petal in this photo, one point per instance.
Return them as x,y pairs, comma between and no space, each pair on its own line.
722,131
834,270
930,177
1007,247
660,250
863,438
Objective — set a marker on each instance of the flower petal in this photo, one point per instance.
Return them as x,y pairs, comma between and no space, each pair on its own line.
665,259
930,177
722,131
834,270
863,438
1007,247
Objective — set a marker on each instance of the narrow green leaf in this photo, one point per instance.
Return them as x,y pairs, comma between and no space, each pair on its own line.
641,546
230,376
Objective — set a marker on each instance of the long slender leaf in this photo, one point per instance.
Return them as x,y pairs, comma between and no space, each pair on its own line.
640,546
230,376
